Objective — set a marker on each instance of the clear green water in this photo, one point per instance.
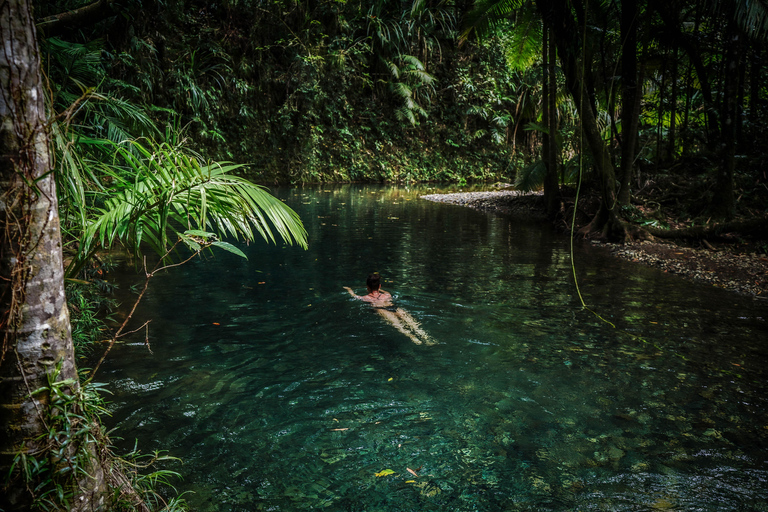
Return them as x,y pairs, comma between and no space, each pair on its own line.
301,394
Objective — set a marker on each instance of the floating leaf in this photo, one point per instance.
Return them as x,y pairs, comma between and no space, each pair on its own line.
412,472
385,472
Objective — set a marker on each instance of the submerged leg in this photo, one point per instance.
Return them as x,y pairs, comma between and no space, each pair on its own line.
414,326
394,319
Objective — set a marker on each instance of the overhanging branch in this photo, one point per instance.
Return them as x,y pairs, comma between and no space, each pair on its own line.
81,17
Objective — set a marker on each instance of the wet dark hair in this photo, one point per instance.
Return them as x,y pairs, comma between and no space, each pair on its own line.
373,281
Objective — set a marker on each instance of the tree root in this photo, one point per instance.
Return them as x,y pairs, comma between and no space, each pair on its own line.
754,226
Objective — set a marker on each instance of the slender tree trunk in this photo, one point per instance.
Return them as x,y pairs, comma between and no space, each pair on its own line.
673,107
34,320
554,152
723,201
630,96
742,90
693,51
755,68
660,121
551,196
568,39
687,111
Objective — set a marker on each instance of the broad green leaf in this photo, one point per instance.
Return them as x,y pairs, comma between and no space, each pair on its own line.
229,247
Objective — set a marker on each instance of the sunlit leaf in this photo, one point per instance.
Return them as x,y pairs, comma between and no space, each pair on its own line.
229,247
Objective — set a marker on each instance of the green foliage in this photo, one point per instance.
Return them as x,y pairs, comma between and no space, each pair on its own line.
90,309
487,16
66,460
523,41
636,216
381,91
136,479
159,191
62,456
531,177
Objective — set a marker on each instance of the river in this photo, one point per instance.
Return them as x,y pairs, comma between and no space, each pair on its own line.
281,392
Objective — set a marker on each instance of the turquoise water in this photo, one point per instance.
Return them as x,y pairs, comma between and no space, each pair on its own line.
280,392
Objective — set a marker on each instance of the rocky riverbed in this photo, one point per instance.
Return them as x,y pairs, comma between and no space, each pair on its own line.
742,269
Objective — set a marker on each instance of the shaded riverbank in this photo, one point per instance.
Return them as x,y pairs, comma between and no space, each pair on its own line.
742,270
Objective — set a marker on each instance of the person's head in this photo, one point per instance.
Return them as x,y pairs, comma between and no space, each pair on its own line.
373,282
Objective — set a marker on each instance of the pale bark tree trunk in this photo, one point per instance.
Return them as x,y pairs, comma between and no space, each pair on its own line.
34,320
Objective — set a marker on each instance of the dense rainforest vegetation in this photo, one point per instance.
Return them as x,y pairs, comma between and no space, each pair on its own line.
651,106
667,95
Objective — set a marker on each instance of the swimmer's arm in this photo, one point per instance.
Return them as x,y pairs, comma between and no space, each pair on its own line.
352,293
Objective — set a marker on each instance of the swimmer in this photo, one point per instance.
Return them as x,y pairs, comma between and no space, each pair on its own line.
381,301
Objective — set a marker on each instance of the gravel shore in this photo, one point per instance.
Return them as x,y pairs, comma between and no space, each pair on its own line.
723,266
508,202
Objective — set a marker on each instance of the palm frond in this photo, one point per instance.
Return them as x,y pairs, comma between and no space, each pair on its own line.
405,114
752,16
531,177
484,18
170,193
402,91
413,62
523,46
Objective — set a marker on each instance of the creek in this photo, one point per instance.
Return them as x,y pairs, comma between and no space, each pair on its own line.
281,392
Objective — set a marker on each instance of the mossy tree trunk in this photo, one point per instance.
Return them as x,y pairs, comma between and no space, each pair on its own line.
34,320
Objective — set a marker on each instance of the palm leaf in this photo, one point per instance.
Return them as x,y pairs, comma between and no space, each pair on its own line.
172,193
752,16
485,17
531,177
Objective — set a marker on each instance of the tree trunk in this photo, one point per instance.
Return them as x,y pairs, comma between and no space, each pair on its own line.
693,50
34,319
630,108
551,196
723,201
554,153
660,120
672,143
568,36
755,70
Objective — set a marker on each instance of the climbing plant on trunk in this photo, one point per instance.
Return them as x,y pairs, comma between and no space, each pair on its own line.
36,338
